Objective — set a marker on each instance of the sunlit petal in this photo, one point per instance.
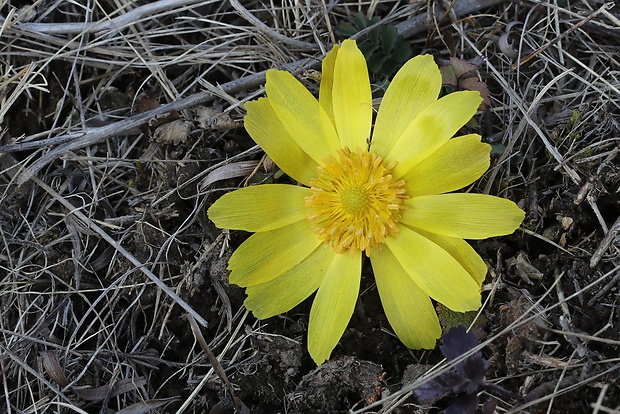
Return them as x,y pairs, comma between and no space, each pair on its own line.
434,270
290,289
301,115
333,305
408,309
457,163
267,255
267,131
265,207
433,126
462,252
327,82
415,86
467,216
352,99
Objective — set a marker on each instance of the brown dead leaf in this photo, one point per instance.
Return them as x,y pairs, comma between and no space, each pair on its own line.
211,118
173,132
120,387
233,170
53,369
525,270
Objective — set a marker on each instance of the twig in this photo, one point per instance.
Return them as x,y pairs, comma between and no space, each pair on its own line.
605,289
586,338
117,23
605,243
5,385
219,370
417,23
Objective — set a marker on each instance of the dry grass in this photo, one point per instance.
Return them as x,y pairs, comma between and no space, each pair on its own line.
108,162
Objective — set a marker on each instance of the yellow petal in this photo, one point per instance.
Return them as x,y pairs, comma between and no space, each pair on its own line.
415,86
301,115
462,252
267,255
457,163
260,207
352,99
333,305
466,216
290,289
408,309
428,131
327,82
267,131
434,270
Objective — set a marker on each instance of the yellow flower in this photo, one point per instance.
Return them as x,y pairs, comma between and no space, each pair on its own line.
382,196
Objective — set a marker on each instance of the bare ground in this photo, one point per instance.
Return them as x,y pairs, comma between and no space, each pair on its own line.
122,122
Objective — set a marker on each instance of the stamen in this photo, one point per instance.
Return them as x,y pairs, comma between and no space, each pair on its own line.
355,201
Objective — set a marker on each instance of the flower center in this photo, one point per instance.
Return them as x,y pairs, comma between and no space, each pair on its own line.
353,199
355,202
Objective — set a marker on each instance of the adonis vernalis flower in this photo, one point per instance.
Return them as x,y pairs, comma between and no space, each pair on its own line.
378,191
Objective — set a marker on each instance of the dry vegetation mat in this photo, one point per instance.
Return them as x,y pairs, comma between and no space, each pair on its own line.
122,121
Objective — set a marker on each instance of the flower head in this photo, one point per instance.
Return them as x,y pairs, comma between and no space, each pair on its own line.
375,191
355,201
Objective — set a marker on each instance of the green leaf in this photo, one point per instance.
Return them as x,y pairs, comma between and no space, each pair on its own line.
388,39
384,50
402,51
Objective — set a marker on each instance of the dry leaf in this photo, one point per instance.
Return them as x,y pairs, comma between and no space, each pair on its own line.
173,132
53,369
100,393
211,118
233,170
525,270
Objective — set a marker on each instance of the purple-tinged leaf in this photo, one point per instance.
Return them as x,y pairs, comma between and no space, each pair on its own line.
473,369
439,386
457,341
463,404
